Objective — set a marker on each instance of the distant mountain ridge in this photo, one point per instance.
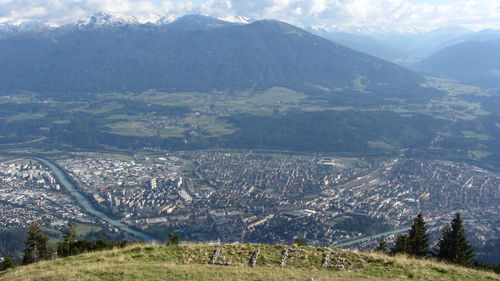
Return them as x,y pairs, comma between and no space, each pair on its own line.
404,46
362,43
401,46
475,62
191,53
9,30
101,18
104,19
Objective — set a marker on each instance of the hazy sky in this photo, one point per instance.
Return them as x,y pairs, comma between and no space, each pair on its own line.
391,14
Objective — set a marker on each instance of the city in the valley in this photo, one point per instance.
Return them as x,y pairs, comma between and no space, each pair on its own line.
246,196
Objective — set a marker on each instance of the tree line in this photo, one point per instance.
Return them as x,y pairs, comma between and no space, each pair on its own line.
37,247
452,247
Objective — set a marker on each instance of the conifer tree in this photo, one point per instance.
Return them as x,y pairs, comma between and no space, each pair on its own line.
382,246
70,235
401,246
8,261
418,238
443,244
453,245
173,239
65,248
37,245
299,241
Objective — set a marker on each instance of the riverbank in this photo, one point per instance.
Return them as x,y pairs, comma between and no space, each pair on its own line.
87,205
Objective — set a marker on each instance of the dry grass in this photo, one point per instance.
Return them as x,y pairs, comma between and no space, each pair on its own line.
429,269
190,262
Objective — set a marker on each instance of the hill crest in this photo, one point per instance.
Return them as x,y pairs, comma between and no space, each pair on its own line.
235,262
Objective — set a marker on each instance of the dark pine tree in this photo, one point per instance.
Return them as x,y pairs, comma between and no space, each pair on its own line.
173,239
8,261
443,244
37,245
299,241
382,246
453,245
70,235
65,248
401,246
418,238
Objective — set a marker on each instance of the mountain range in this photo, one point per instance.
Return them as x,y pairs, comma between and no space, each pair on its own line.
475,62
405,48
454,52
106,54
150,46
404,42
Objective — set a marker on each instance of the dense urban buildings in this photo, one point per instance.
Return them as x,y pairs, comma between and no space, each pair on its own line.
255,197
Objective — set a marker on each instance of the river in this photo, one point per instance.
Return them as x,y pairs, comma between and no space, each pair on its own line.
395,231
371,237
87,205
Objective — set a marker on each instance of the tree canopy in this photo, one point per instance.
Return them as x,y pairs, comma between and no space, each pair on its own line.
37,245
8,261
453,245
418,238
416,242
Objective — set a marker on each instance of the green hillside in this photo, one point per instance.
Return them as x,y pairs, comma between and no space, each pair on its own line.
192,262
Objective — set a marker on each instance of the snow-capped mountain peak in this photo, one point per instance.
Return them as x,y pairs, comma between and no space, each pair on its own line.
10,29
100,18
149,18
167,19
107,19
236,19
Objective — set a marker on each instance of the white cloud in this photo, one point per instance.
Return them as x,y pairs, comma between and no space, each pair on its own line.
389,14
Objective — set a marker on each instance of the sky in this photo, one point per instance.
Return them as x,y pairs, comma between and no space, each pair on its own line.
329,14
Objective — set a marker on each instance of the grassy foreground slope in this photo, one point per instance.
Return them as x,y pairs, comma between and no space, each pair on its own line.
191,262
